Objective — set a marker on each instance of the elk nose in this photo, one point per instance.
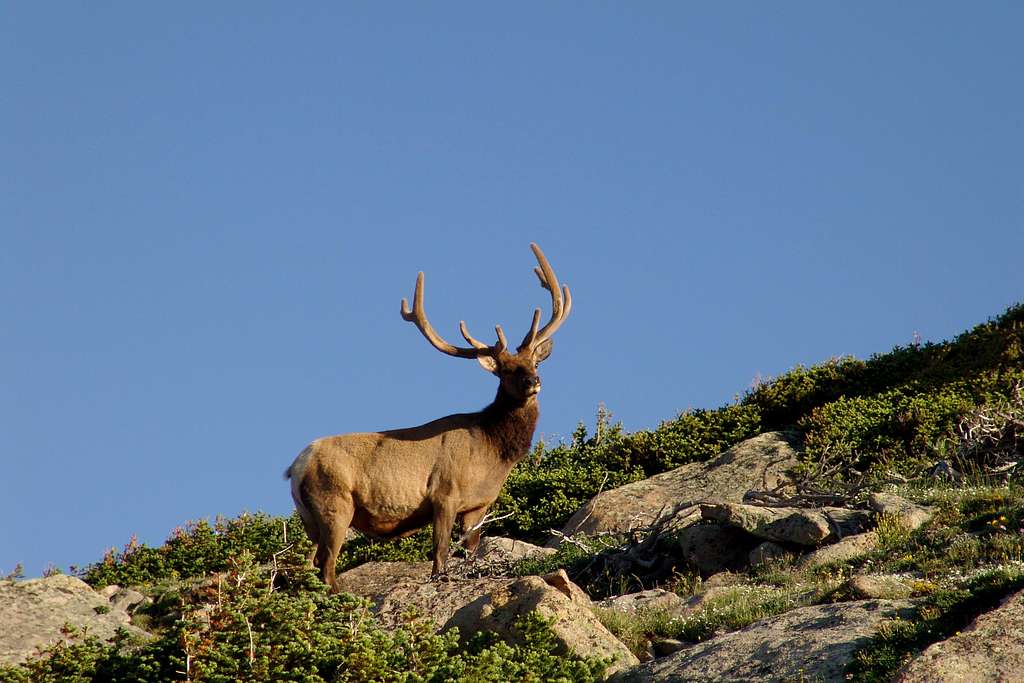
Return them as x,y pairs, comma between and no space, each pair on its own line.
533,382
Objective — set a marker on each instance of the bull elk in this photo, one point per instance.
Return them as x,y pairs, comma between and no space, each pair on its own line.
390,484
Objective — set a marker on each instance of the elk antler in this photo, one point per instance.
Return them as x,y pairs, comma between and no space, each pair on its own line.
419,317
561,303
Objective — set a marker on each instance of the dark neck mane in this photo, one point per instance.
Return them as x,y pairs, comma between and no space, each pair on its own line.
510,424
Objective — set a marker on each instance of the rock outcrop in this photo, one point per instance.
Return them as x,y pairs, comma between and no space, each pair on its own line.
991,649
397,589
758,463
498,549
655,599
33,613
882,586
575,625
845,549
800,526
714,548
909,515
810,643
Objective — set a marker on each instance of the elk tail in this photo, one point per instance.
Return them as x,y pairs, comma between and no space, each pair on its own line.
296,472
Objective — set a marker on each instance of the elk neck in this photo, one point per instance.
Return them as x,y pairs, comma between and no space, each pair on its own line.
510,423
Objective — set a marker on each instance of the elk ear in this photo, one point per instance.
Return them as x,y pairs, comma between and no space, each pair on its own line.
488,363
542,351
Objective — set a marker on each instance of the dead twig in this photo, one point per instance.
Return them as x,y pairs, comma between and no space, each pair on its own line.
252,645
487,519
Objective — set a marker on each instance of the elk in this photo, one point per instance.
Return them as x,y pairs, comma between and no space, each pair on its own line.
390,484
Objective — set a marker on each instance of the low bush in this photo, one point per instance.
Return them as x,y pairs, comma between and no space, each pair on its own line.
255,623
200,548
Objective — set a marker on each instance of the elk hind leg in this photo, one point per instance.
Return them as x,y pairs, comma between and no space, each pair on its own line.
313,533
333,527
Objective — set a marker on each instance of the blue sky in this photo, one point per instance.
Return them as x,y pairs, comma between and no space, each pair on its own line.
209,214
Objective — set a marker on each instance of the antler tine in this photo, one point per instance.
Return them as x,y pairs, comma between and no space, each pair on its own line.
559,310
568,301
549,330
500,346
418,317
540,276
532,334
475,343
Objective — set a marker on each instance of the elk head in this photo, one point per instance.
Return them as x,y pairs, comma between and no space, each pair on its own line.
517,371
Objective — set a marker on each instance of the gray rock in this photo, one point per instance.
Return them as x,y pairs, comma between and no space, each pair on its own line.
879,586
396,587
758,463
128,600
33,612
714,548
991,649
654,599
575,626
475,604
109,591
845,549
810,643
504,550
560,581
767,552
802,526
666,646
910,515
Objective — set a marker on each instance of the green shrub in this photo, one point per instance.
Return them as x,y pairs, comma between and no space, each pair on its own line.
257,625
897,409
200,548
195,549
782,401
895,426
694,436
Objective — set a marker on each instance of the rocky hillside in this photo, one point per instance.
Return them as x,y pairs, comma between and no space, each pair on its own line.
856,520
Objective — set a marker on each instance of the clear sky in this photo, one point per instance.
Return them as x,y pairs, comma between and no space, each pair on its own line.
209,214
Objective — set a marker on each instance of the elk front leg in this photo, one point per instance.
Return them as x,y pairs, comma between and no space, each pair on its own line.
444,520
470,519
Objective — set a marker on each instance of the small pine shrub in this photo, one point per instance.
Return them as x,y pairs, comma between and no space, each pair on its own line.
195,550
257,624
200,548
